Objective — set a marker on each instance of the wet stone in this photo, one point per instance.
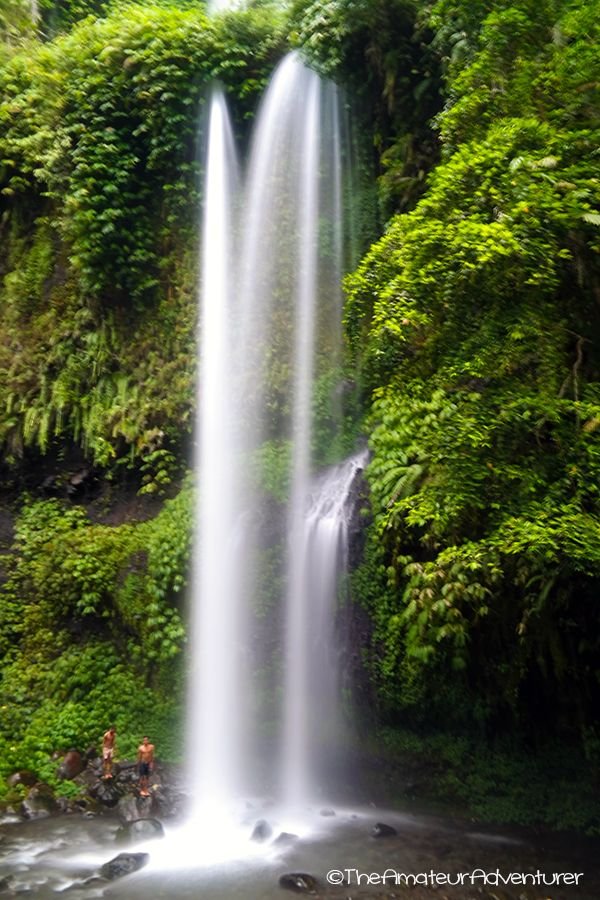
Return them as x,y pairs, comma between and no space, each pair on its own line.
39,803
299,883
285,838
129,809
71,766
23,776
140,830
262,831
105,792
124,864
381,830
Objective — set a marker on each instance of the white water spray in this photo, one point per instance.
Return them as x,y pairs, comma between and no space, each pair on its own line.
216,677
318,557
266,334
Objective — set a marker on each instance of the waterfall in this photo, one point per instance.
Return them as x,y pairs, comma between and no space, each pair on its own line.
319,548
216,680
217,6
270,312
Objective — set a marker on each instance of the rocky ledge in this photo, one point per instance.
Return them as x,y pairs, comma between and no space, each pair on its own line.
119,794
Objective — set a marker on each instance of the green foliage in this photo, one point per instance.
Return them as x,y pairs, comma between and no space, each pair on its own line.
502,782
336,416
91,630
474,322
16,25
272,463
382,51
60,15
99,186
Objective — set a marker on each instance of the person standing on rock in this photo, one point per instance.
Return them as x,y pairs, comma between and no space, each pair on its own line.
145,760
108,750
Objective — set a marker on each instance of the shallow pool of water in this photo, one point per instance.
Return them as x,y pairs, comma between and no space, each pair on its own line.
52,858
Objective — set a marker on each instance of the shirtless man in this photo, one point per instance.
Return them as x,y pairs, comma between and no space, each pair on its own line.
108,750
145,760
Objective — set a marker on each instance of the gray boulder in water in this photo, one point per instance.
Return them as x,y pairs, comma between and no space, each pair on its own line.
299,882
381,830
140,830
124,864
285,838
39,803
262,831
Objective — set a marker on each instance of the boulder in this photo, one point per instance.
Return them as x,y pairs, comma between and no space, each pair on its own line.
39,803
105,792
381,830
124,864
139,830
71,766
129,808
23,776
262,831
299,882
285,838
87,779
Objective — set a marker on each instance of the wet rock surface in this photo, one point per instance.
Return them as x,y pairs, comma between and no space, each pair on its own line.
381,830
124,864
262,831
23,776
140,830
39,803
299,883
285,839
130,808
72,765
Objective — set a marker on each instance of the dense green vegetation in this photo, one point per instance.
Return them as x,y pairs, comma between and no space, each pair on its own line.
99,178
473,331
475,325
99,196
89,633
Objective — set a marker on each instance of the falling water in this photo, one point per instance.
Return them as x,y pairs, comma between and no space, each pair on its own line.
217,6
294,757
216,680
261,351
319,550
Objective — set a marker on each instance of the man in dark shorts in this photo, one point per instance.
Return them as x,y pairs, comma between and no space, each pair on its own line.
145,759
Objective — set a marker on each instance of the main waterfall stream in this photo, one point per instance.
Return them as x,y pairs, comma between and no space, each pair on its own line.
266,326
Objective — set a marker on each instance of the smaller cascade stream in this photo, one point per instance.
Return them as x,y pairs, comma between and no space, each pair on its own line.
319,554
